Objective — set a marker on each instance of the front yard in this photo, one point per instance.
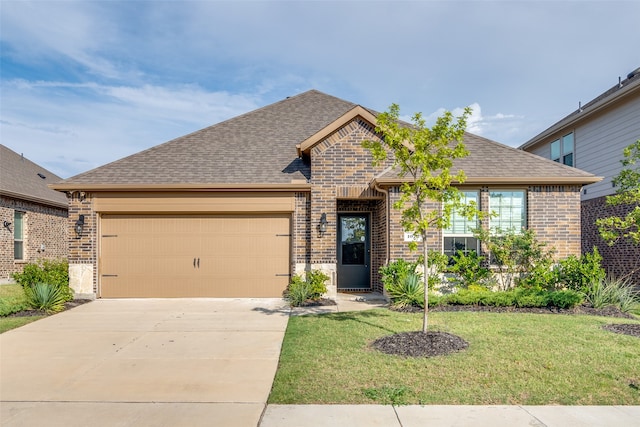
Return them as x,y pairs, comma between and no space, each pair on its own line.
512,358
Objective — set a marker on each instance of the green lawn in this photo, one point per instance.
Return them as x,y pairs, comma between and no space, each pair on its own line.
12,299
528,359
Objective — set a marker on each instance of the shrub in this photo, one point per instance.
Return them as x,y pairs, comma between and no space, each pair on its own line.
395,271
566,298
579,273
312,287
469,270
409,291
51,272
45,297
541,277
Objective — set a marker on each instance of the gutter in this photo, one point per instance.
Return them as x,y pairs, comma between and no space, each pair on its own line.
64,186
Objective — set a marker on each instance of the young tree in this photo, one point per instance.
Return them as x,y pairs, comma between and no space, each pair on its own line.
424,156
627,183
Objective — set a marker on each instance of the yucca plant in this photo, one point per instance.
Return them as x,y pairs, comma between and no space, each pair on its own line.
409,291
45,297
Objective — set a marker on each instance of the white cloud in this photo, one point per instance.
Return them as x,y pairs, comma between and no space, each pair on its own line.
70,128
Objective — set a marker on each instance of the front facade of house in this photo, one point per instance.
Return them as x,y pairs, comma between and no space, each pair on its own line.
235,209
593,139
33,218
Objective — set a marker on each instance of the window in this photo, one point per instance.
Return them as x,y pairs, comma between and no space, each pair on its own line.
562,150
508,211
459,235
18,235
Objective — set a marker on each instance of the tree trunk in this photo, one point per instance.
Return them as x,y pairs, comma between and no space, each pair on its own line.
425,317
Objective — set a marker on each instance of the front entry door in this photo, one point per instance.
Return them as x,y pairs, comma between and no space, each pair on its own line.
353,252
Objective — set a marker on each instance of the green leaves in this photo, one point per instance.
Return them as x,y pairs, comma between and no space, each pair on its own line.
627,182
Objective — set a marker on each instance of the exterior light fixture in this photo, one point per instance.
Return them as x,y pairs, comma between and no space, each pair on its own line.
322,227
6,224
79,226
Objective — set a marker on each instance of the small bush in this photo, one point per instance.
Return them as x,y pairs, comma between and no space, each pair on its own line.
567,298
579,273
407,292
470,271
395,271
45,297
51,272
312,287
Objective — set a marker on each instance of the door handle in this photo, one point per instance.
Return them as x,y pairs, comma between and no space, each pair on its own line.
198,262
194,263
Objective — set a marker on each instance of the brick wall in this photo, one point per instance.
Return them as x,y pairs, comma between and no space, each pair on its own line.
621,259
82,249
553,212
45,234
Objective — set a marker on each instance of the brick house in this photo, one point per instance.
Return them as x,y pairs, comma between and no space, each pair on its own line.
592,138
234,209
33,217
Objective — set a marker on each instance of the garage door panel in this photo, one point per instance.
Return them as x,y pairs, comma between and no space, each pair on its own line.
235,256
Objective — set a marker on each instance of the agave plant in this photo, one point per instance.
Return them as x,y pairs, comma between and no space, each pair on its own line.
45,297
409,291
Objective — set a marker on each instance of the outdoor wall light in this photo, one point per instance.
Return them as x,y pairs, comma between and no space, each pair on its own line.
322,227
6,224
79,225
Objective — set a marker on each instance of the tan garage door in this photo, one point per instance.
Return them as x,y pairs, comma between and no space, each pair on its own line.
161,256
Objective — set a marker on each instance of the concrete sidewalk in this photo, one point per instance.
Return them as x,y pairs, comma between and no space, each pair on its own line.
449,416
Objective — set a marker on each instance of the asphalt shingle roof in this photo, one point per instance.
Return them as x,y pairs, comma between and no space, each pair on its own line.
259,147
19,179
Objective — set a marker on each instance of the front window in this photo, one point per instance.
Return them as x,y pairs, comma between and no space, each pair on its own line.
508,211
562,150
18,235
459,235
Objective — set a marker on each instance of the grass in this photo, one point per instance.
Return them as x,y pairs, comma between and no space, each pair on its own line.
12,300
513,358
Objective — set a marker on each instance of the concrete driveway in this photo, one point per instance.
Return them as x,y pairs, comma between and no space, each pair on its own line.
143,362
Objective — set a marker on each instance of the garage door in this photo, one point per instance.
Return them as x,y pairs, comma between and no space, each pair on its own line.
162,256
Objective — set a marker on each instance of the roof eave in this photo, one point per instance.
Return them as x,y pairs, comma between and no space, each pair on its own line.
584,114
34,199
305,146
293,186
394,181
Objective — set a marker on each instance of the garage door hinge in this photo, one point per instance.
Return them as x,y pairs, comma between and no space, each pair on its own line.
109,235
288,275
109,275
283,235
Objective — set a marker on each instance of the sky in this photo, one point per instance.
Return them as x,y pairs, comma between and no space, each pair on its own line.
84,83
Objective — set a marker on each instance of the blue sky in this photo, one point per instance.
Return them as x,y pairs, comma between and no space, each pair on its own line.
84,83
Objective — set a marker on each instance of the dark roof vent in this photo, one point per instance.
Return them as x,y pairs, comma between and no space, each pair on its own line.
41,176
633,73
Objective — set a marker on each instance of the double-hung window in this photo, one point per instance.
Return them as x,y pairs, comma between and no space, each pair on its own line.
562,150
508,210
459,235
18,235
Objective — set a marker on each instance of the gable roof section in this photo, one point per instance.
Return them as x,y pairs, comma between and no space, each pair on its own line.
19,179
256,149
618,93
490,162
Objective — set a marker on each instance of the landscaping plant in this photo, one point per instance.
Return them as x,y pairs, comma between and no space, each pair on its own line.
51,272
611,291
408,291
45,297
308,288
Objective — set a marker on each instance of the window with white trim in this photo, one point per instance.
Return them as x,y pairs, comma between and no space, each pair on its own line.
562,150
459,235
18,235
508,210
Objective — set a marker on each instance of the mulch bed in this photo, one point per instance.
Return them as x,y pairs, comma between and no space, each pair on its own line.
67,306
433,343
318,303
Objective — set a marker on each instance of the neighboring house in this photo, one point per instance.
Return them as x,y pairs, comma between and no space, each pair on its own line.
234,209
33,217
592,139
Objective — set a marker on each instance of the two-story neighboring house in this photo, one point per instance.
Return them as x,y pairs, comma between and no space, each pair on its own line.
592,139
33,217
